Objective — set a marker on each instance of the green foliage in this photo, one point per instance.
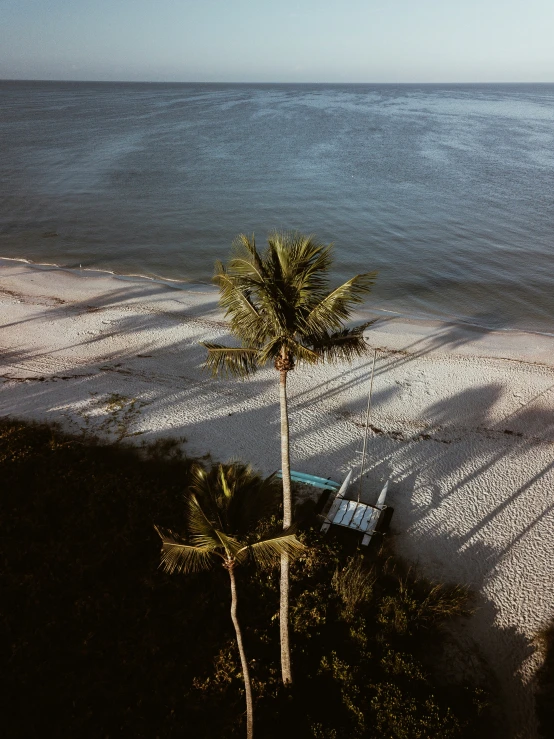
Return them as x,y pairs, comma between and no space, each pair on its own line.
415,605
225,509
279,305
354,586
97,642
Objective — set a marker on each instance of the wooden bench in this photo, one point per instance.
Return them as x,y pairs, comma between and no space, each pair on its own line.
353,514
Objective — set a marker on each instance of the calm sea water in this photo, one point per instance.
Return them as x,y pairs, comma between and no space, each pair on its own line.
446,190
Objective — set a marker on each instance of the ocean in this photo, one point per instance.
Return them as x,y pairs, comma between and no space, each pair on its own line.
446,190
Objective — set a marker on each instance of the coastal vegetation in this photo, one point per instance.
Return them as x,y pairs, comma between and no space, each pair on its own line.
225,509
99,642
281,310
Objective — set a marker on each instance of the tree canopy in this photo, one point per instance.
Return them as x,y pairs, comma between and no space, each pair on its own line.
281,308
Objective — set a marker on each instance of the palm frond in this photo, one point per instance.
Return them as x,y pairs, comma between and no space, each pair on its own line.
239,306
245,263
205,534
178,556
233,296
205,487
305,263
342,345
277,311
291,346
200,480
238,498
226,485
273,300
304,353
228,360
336,307
271,283
267,552
271,350
235,498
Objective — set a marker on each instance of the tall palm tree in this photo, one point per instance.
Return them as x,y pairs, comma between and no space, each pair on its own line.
224,509
281,309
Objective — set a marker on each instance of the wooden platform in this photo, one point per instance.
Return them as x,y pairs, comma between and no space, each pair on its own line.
353,514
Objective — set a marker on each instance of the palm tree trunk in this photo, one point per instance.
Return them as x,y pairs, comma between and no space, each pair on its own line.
286,670
244,663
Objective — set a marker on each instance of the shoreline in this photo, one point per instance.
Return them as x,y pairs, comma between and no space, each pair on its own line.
186,285
462,425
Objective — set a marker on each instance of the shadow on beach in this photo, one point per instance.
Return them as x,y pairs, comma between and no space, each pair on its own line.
461,482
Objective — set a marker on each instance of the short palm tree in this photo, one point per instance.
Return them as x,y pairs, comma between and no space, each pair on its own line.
282,310
224,509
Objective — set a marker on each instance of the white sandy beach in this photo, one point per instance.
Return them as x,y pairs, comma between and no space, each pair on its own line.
462,421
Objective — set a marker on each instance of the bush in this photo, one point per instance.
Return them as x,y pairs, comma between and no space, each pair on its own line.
99,642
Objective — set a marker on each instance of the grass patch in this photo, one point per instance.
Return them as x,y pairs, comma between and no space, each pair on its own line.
97,642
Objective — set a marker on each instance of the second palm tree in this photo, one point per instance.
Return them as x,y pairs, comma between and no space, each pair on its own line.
224,509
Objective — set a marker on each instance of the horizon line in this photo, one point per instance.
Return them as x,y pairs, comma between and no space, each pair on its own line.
261,82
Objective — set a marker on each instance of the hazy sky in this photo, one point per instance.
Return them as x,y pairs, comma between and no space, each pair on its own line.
278,40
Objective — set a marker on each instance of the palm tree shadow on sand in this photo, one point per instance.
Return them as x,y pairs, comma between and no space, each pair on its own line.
435,474
457,490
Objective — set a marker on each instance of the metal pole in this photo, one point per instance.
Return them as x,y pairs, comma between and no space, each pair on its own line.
366,424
